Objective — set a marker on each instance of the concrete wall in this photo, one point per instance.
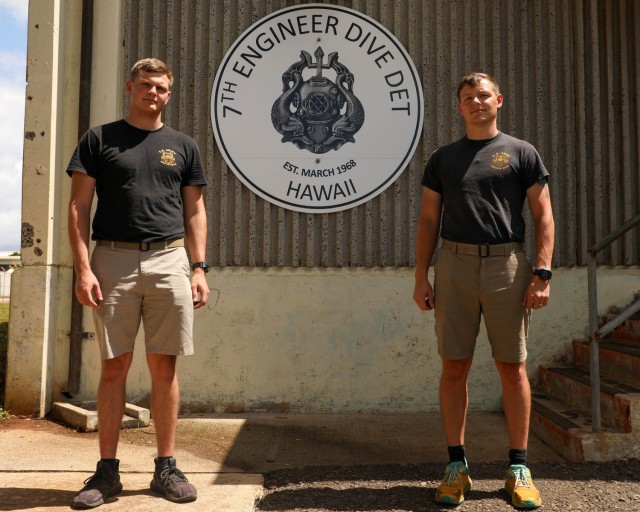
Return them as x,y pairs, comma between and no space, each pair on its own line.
301,339
344,340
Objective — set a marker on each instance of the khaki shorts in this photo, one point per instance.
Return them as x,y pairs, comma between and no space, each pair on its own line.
153,286
469,284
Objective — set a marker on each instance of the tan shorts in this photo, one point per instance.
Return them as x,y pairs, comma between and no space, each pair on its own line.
469,284
153,286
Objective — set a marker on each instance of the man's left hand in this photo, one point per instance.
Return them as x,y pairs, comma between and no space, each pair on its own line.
537,294
199,288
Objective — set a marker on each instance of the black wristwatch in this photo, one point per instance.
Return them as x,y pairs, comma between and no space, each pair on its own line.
543,273
200,264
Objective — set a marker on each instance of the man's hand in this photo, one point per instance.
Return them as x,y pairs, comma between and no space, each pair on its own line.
199,288
536,295
423,295
88,289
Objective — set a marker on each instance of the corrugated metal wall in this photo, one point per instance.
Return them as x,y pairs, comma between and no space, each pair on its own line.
569,73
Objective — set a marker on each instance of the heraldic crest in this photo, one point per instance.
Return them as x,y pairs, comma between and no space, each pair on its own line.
317,114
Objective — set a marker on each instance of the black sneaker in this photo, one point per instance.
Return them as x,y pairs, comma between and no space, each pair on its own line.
104,483
169,481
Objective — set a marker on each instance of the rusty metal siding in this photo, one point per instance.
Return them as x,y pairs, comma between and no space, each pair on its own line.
569,73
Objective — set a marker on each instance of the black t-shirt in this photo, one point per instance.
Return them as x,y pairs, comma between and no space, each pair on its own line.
139,175
483,185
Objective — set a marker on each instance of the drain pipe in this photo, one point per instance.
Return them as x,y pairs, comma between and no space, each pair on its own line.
77,334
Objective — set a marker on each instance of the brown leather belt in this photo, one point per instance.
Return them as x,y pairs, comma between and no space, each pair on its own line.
483,250
142,246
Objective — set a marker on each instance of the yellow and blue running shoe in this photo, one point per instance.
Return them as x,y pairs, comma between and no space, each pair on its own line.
455,484
520,487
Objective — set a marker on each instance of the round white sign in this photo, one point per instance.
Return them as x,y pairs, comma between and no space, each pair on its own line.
317,108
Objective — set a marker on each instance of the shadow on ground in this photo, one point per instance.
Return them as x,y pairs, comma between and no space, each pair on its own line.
411,487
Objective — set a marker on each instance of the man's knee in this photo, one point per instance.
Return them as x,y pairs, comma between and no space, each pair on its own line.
455,370
117,367
513,372
162,367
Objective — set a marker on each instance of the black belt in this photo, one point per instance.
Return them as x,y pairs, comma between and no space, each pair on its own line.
142,246
483,250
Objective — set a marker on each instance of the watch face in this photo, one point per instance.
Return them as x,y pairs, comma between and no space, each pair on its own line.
543,274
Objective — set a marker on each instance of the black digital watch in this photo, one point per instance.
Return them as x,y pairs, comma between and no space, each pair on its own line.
200,264
543,273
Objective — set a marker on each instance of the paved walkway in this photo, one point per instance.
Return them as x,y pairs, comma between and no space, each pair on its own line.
43,464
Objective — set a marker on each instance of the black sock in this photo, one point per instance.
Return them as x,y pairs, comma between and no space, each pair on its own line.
114,463
457,454
518,457
160,461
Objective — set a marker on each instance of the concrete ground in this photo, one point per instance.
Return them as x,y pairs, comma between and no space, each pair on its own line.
43,464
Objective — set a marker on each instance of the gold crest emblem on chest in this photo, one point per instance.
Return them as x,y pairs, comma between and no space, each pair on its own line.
500,160
167,157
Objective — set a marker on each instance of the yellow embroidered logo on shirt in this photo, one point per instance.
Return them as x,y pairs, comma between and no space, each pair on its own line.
500,160
167,157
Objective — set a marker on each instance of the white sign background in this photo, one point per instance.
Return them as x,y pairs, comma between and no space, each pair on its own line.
249,81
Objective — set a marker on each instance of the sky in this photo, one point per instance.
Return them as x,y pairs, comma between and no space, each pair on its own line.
13,64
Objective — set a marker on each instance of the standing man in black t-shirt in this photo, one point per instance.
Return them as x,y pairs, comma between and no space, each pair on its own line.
473,193
149,182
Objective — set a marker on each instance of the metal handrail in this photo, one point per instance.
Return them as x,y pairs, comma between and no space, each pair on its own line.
595,334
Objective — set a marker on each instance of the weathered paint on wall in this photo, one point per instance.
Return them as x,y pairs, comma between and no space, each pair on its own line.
328,340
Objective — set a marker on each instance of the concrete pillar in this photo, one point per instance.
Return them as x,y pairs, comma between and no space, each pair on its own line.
54,28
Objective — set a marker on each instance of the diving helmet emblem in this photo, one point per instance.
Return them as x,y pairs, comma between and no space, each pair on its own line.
317,114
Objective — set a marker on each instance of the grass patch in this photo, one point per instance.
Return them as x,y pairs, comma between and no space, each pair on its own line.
4,338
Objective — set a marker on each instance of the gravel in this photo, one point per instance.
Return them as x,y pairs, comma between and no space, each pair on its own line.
564,486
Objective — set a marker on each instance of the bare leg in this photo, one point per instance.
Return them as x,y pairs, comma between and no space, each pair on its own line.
164,400
454,398
516,402
111,402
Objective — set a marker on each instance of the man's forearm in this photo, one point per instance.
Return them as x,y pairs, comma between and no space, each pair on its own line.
545,235
426,241
79,237
196,236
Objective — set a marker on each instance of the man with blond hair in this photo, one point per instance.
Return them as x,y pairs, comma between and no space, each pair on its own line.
149,182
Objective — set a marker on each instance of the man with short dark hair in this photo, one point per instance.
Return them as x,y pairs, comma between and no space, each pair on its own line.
149,180
473,193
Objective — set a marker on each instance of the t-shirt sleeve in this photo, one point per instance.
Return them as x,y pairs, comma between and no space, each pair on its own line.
534,169
430,178
195,174
85,156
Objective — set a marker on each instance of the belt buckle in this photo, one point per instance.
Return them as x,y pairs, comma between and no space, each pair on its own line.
480,252
141,246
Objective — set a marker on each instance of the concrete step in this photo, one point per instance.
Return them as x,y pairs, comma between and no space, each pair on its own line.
629,330
568,431
619,359
620,403
84,415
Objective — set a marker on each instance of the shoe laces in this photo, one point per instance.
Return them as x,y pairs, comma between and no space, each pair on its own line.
97,476
521,476
452,473
91,479
172,475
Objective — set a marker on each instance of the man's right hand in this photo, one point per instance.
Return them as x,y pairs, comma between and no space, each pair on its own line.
88,290
423,295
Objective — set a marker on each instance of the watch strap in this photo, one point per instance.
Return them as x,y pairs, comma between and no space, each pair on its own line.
200,264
